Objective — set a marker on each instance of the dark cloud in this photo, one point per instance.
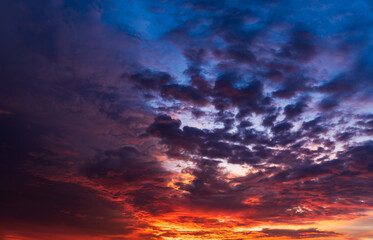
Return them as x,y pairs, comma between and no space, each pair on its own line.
210,144
150,80
292,86
298,234
126,164
345,135
269,120
337,85
360,157
300,46
224,86
281,127
293,110
184,93
165,126
238,53
328,103
32,202
209,190
315,126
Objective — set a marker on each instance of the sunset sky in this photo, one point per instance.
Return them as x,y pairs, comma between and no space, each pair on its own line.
173,119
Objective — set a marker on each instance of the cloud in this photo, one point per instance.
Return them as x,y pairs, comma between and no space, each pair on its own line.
125,164
150,80
184,93
298,234
121,118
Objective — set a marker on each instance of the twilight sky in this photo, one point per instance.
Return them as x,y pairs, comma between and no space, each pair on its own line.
173,119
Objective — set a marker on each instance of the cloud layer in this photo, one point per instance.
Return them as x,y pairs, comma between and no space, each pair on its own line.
185,119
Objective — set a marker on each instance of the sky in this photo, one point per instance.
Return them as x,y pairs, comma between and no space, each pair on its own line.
174,119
